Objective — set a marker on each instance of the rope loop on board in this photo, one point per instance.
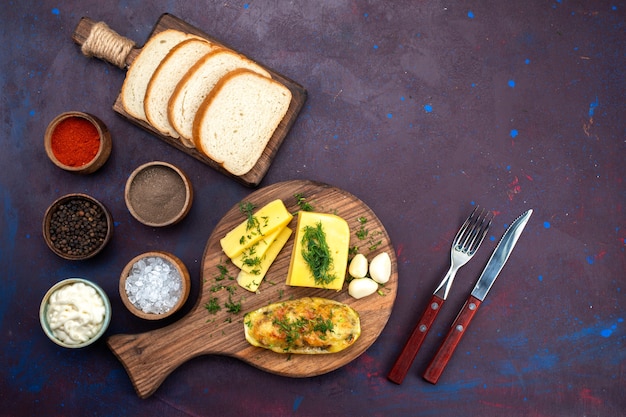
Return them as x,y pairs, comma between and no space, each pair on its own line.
105,43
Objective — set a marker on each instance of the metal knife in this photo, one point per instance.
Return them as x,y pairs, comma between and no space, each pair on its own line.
482,287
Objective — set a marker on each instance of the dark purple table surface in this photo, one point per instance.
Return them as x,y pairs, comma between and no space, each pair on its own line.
422,109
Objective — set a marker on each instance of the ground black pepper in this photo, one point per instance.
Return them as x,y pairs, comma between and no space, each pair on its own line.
157,194
78,227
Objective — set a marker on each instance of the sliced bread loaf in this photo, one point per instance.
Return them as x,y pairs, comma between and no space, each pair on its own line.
166,77
238,118
142,68
196,85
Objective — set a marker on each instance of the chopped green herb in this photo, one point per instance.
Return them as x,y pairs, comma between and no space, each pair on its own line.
323,327
232,307
363,233
213,306
253,226
294,329
375,245
302,203
223,273
316,253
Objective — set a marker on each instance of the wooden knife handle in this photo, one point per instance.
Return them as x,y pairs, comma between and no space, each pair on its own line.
412,346
443,355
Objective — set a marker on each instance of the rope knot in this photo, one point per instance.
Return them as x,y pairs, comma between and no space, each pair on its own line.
105,43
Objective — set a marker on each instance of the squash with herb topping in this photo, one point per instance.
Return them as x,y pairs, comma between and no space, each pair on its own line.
310,325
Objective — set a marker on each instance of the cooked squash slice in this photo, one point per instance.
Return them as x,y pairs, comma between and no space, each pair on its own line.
310,325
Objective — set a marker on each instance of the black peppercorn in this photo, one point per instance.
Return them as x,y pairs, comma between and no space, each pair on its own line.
78,227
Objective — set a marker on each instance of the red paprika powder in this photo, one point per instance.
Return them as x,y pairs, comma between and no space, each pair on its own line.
75,141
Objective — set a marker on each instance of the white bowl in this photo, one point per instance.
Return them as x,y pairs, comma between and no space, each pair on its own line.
43,312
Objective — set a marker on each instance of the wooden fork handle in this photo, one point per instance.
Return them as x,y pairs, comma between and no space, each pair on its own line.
412,346
456,332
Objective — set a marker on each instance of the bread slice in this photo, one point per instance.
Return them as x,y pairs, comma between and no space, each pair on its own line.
166,77
142,68
237,119
196,85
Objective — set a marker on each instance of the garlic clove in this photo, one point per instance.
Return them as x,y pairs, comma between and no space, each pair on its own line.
358,266
362,287
380,268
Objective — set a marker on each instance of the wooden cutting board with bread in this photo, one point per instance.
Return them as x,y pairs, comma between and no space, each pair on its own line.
150,357
200,95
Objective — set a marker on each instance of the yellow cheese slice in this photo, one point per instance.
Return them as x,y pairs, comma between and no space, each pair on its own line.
337,234
250,259
251,281
269,218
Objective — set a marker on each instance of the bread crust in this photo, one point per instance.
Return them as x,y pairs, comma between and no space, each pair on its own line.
198,82
138,74
167,76
244,148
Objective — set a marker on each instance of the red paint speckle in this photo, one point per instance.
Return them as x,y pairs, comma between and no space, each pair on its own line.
514,188
587,396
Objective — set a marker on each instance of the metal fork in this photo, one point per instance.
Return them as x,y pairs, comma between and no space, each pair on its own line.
465,244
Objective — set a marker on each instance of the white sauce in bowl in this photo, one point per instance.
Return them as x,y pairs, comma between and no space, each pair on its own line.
75,313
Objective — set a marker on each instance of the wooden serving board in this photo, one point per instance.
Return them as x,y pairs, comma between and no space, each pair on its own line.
150,357
256,174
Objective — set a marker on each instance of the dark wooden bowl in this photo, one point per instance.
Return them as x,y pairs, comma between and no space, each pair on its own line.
49,236
158,194
104,151
185,284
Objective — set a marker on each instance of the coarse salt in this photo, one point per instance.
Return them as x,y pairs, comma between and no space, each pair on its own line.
154,285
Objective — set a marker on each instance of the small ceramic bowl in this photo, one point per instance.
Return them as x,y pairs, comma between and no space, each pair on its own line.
45,306
138,303
73,242
60,125
158,194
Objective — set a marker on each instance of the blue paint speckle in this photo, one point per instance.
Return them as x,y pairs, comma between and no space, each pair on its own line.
540,278
508,167
514,133
56,11
428,108
592,107
246,6
590,260
511,83
606,332
527,61
389,116
470,14
473,85
402,98
375,46
297,402
492,238
546,224
31,113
